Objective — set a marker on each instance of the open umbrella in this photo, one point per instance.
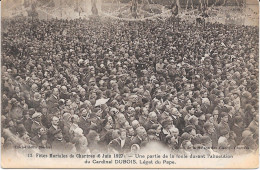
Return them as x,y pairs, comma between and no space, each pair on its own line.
101,101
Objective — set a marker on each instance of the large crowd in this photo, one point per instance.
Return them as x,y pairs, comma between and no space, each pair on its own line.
102,85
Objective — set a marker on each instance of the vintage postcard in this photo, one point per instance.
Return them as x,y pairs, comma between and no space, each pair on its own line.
129,84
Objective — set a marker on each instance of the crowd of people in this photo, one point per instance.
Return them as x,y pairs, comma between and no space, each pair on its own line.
102,85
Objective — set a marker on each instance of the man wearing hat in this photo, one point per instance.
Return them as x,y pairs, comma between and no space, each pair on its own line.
165,133
37,123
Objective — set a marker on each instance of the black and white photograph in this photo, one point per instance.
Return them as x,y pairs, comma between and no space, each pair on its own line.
129,83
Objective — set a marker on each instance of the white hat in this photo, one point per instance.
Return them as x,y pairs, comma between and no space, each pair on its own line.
36,114
80,61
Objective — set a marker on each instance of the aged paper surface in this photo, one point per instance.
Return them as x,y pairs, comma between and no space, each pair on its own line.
129,84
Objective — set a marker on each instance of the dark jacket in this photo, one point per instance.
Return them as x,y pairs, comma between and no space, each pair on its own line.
51,132
138,141
84,124
116,145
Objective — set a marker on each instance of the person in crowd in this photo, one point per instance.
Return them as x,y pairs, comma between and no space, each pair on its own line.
238,129
141,137
37,124
80,141
84,121
223,125
59,145
39,137
160,84
120,144
93,138
53,129
210,131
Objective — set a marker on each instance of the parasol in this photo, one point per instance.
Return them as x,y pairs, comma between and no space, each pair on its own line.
101,101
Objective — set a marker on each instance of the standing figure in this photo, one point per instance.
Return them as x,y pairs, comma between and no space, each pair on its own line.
94,9
134,8
175,10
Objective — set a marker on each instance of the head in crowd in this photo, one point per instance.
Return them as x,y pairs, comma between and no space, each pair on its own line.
130,81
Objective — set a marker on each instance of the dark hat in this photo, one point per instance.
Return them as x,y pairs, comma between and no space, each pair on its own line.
21,130
92,80
223,114
92,115
207,125
104,123
196,140
185,136
205,139
189,128
26,111
31,111
155,126
54,109
165,123
151,132
223,131
238,119
103,106
246,94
